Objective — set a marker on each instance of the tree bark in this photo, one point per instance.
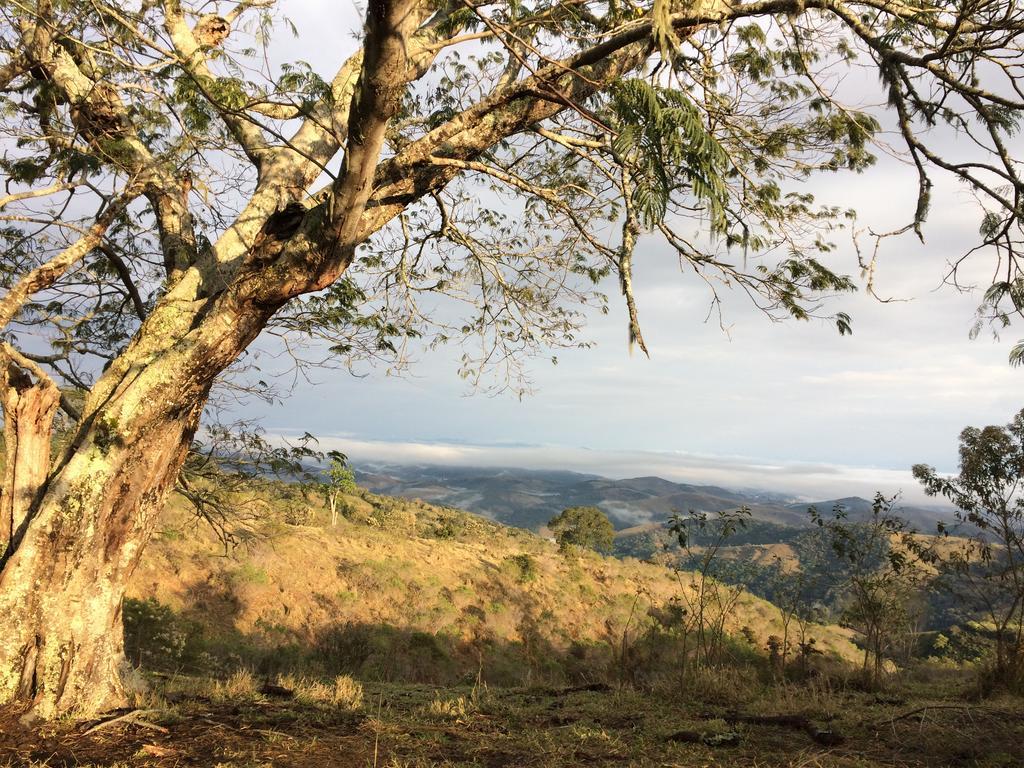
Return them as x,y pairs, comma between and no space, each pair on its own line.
63,580
61,588
29,408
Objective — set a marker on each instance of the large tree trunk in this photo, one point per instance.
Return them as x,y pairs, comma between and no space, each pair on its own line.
61,589
63,580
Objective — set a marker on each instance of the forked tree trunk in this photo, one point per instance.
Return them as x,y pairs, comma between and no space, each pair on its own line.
63,580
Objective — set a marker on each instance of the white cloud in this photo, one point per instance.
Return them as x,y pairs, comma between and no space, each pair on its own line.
801,480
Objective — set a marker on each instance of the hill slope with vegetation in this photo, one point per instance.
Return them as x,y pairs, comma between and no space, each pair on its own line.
403,590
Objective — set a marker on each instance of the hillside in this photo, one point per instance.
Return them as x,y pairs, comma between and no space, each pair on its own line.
403,590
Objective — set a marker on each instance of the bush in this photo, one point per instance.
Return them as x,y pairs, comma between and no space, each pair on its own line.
448,528
247,573
155,636
523,566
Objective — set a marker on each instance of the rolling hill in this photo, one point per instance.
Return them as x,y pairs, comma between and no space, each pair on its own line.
401,590
529,498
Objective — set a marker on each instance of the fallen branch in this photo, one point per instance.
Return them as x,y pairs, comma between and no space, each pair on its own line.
827,737
130,718
729,739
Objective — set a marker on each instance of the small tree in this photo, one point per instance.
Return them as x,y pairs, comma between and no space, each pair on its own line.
987,558
586,527
708,602
876,582
795,591
340,480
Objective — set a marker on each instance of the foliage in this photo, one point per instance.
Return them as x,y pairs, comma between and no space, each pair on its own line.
985,562
663,138
878,581
232,469
524,566
340,480
448,527
156,637
797,592
704,603
584,527
721,131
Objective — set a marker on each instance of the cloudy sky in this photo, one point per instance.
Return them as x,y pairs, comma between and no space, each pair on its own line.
788,407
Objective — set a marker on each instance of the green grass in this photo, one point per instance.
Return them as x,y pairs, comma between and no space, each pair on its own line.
248,573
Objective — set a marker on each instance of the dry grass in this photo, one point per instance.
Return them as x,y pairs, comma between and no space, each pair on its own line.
343,693
443,708
461,591
240,686
426,727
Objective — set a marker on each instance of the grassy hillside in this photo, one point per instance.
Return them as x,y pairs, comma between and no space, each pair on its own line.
402,590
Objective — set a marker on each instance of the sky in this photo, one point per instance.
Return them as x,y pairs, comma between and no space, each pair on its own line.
789,407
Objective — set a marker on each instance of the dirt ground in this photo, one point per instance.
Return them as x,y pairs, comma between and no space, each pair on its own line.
403,726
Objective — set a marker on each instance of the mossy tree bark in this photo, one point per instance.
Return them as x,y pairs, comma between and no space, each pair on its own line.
29,407
63,578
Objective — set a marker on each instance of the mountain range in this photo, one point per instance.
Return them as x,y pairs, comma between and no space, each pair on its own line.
529,498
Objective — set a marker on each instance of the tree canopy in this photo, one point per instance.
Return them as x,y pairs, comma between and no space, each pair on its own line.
585,527
508,144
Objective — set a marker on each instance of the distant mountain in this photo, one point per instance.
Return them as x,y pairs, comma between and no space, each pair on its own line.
529,498
858,509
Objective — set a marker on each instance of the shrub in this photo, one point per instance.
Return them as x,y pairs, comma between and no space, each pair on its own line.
297,513
155,636
247,573
448,528
523,566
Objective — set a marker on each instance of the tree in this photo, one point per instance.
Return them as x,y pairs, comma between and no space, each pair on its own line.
986,556
707,601
795,589
171,195
584,527
876,580
340,480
